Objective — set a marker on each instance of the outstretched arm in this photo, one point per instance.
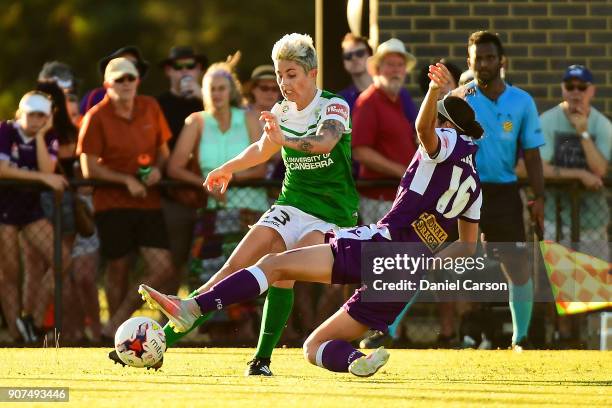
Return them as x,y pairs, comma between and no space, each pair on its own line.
257,153
324,139
426,119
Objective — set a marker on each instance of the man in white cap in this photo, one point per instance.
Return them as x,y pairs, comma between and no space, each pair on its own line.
123,140
383,137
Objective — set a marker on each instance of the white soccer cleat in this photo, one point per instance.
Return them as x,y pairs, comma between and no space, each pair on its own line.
181,313
367,366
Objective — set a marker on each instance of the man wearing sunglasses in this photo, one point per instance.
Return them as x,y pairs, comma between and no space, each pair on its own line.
116,137
578,143
355,53
184,68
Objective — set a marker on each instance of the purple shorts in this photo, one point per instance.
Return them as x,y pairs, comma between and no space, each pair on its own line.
346,247
20,207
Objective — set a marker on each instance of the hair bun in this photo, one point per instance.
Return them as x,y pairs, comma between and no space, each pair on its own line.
474,130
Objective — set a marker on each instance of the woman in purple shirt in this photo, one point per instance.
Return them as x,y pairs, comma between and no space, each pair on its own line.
28,151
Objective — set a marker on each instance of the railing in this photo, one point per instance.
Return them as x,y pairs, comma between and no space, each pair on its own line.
570,189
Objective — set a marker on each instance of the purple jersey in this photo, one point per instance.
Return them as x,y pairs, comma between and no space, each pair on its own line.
432,195
435,192
21,206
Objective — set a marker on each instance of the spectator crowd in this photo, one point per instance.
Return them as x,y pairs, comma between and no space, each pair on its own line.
171,237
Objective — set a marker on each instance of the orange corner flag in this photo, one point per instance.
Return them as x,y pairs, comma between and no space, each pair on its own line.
580,282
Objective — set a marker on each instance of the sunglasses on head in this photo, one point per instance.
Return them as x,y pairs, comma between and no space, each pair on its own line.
129,78
266,88
357,53
580,87
184,65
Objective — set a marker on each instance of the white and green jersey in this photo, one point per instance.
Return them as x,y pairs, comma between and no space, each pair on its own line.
318,184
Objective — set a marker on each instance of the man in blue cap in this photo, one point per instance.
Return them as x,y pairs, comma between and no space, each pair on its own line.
578,143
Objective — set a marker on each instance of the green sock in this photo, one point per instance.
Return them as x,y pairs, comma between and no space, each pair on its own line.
172,337
276,311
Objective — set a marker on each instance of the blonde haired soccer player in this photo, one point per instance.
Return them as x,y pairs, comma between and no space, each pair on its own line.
439,189
312,128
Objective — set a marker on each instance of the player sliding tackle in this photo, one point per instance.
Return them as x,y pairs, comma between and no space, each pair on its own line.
440,182
318,191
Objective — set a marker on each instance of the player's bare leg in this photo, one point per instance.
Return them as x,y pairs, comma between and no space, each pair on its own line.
259,241
245,284
276,311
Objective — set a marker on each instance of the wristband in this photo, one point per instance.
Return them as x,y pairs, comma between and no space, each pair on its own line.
585,135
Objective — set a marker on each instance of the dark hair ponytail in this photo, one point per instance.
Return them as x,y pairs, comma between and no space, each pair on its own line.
460,114
66,132
474,130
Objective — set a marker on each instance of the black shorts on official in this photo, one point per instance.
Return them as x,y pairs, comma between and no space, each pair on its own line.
501,215
122,231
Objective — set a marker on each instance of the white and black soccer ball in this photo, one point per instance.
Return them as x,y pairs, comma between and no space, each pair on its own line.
140,342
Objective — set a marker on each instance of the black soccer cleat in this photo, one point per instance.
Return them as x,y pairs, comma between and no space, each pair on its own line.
378,339
259,366
157,366
115,357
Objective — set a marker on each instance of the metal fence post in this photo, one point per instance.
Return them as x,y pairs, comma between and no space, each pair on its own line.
575,211
57,260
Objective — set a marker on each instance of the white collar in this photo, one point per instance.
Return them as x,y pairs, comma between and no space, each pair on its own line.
293,106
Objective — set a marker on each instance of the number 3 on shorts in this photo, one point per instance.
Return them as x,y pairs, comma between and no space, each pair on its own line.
279,216
459,191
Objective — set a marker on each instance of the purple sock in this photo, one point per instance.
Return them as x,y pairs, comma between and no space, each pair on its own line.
243,285
337,355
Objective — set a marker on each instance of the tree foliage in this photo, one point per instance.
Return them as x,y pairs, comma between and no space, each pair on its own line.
80,32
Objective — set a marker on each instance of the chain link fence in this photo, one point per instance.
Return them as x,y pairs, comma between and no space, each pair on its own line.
52,278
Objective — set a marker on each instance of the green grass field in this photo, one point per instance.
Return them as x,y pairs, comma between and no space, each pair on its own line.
413,378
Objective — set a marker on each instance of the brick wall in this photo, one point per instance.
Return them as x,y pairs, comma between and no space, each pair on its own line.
541,39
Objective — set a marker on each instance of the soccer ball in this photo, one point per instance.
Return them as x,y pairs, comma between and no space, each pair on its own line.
140,342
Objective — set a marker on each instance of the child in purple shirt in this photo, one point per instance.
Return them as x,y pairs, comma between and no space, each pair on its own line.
28,151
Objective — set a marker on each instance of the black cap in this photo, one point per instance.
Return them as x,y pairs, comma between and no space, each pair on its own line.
141,65
183,52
